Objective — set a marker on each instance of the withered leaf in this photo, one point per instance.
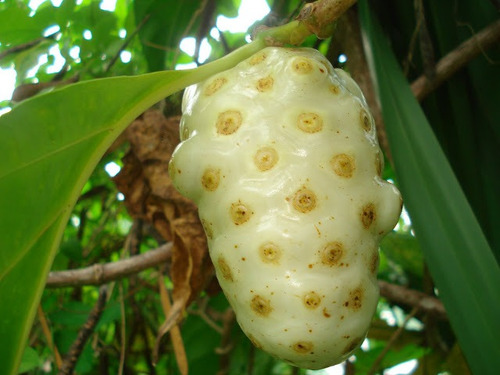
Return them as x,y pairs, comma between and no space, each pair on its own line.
150,196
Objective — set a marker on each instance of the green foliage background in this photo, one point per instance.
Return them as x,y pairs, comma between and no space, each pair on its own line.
463,113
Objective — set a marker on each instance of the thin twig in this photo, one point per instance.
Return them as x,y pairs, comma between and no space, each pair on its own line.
74,352
226,344
190,24
413,40
48,336
105,218
127,42
390,343
123,326
456,59
206,23
98,274
201,311
28,45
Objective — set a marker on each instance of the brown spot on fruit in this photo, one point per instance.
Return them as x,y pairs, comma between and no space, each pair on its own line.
214,86
265,158
303,347
365,120
302,65
208,228
368,215
310,122
240,213
224,269
374,261
257,58
261,306
265,84
304,200
210,179
352,345
270,253
228,122
334,89
355,300
332,253
343,165
326,314
312,300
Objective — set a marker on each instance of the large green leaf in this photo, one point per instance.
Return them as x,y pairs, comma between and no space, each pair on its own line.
49,146
460,260
16,26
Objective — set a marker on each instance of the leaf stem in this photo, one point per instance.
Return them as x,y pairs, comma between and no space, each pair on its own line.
316,18
292,33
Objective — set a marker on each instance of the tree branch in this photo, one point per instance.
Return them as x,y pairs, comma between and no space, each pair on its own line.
456,59
74,352
226,346
127,42
102,273
394,337
48,336
320,15
414,298
28,45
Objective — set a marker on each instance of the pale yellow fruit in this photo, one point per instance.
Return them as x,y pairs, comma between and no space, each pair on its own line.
280,155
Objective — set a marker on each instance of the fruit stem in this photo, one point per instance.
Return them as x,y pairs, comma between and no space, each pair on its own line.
233,58
291,33
314,18
294,33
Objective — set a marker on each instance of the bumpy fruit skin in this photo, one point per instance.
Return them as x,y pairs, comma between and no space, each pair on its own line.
280,155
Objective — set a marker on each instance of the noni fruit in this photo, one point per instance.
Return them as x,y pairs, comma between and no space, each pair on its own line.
280,154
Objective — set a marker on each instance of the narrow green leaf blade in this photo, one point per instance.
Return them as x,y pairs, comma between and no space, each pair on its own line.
461,262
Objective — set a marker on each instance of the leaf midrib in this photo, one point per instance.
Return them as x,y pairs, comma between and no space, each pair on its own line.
54,152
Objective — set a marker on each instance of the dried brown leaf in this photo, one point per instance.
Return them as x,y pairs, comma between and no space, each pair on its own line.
150,196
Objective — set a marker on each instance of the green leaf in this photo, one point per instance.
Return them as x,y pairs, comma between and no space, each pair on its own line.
30,360
50,145
228,8
460,260
404,250
365,359
16,26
